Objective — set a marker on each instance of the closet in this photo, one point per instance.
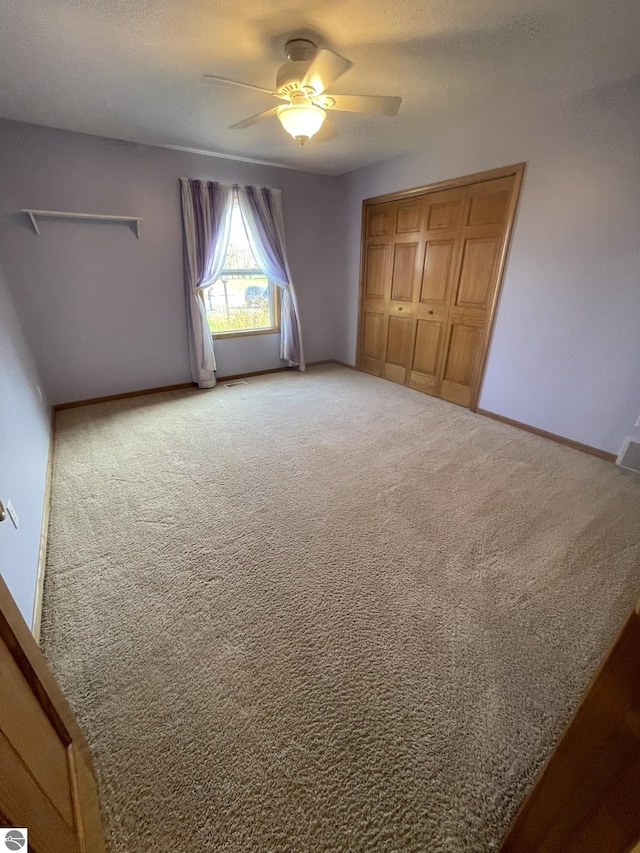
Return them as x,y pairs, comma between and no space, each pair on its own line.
432,260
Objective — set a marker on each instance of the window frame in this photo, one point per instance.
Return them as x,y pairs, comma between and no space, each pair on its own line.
274,300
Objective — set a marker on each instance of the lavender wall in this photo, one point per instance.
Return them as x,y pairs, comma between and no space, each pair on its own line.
565,355
103,311
24,448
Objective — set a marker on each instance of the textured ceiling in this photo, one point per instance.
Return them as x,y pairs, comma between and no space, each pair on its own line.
131,69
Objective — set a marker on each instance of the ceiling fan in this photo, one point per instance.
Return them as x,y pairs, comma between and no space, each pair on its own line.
302,83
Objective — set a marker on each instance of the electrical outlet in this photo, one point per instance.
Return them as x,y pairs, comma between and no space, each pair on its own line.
13,515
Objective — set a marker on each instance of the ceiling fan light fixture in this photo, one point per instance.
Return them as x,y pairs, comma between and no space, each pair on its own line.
301,121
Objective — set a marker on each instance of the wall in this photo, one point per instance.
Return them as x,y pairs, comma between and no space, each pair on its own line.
105,312
24,448
565,355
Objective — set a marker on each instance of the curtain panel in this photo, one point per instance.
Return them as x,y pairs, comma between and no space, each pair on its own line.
206,223
261,210
206,220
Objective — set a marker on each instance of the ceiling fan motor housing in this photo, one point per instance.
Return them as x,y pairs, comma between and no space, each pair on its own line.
290,75
300,53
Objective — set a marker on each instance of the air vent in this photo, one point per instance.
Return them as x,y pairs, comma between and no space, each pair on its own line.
629,456
233,384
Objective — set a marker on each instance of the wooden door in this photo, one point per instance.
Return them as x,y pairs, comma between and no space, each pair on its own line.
441,231
378,227
431,268
586,799
406,254
481,243
46,778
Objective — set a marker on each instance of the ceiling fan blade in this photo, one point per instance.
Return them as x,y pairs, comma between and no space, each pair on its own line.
242,124
213,78
325,70
372,105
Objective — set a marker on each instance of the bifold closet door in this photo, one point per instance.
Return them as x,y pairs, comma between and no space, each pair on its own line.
406,258
431,268
441,229
378,227
393,258
481,244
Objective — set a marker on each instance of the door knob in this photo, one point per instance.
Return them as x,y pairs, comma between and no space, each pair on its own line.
3,512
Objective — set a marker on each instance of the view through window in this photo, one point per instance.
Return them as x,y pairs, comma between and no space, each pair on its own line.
242,299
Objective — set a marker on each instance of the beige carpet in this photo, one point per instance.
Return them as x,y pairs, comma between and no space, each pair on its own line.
323,612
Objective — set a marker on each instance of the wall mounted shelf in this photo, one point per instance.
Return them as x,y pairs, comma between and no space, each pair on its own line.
60,214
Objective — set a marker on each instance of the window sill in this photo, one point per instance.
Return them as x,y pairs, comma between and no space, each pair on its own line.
218,336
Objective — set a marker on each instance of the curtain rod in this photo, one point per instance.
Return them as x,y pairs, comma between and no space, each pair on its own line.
234,186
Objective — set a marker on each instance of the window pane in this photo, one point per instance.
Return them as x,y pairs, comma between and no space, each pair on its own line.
242,299
235,304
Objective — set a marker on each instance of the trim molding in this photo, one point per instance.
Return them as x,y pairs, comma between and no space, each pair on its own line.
281,370
235,376
331,361
75,403
451,183
36,617
559,439
92,400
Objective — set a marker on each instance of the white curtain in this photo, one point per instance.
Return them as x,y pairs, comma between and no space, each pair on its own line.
261,210
206,222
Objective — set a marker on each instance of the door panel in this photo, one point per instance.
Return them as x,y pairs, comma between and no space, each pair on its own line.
379,222
376,269
409,216
372,343
464,338
28,729
488,202
444,210
488,208
427,351
46,781
438,270
405,258
25,804
399,333
477,272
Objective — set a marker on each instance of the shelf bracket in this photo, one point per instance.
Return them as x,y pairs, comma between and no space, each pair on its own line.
33,222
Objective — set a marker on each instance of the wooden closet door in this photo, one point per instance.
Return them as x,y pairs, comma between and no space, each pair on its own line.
379,226
440,234
406,258
482,243
431,264
46,778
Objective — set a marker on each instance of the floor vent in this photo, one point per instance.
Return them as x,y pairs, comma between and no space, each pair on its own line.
237,382
629,456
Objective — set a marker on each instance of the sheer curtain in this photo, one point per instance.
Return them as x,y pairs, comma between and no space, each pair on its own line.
261,210
206,221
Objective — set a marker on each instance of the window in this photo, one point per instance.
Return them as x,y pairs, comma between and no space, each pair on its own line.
242,301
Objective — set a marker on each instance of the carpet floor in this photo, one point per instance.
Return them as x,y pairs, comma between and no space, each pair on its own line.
322,612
